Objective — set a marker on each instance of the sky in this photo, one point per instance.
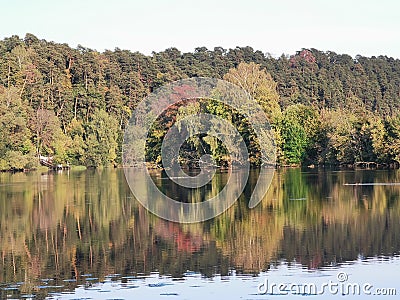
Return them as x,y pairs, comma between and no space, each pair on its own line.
353,27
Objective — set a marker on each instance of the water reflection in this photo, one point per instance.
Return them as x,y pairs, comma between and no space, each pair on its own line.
61,226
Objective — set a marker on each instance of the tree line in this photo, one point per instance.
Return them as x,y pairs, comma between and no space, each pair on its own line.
74,103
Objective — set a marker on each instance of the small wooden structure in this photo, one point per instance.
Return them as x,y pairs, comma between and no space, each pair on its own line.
375,165
366,164
47,161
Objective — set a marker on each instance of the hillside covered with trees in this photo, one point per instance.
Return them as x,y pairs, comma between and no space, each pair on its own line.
74,103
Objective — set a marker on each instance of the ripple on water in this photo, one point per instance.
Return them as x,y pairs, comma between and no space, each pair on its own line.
169,294
69,280
191,274
91,278
159,284
128,286
113,275
128,277
50,286
11,287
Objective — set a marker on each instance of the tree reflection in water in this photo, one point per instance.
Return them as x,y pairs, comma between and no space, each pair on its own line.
64,225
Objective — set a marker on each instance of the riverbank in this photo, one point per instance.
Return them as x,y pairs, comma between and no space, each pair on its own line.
153,166
44,169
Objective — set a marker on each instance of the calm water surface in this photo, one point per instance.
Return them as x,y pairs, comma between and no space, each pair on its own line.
82,234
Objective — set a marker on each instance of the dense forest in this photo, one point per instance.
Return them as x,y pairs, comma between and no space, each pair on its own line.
74,103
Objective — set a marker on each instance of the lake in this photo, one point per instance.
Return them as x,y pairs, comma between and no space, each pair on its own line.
83,235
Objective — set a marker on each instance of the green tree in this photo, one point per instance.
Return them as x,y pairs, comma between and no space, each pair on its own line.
299,127
101,135
392,126
16,148
76,151
259,84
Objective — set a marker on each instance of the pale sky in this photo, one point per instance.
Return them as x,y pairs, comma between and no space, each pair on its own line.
282,26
